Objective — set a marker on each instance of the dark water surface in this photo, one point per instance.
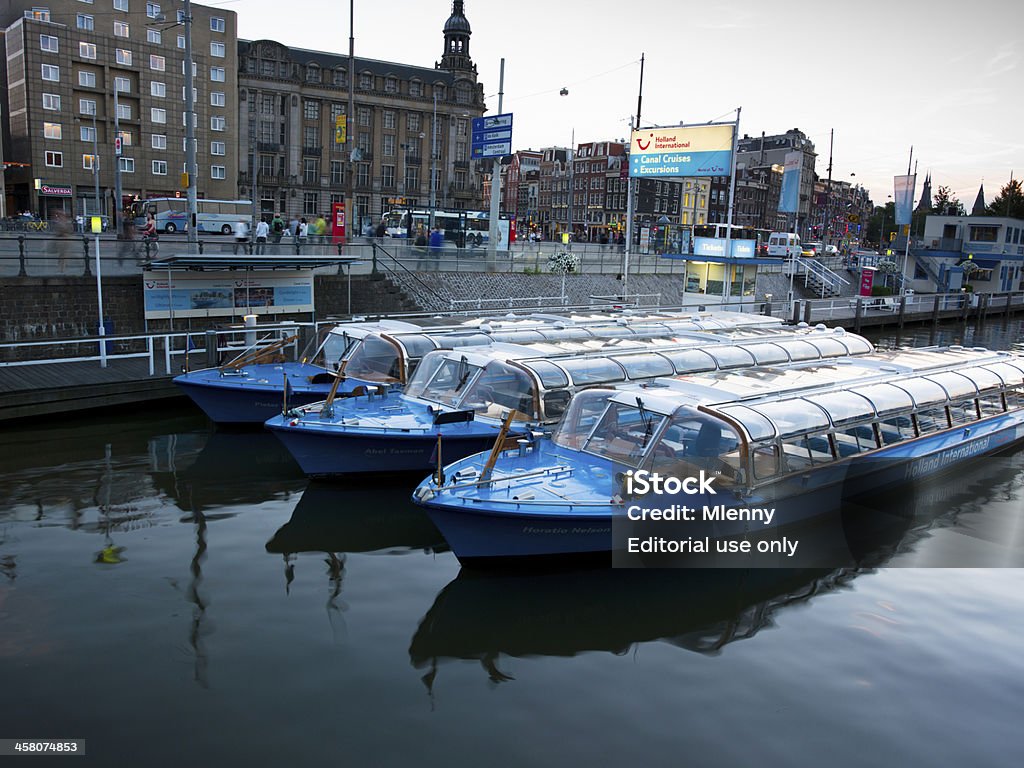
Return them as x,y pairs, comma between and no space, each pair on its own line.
179,595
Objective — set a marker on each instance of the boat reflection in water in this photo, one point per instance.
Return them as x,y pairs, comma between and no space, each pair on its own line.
231,468
483,615
349,519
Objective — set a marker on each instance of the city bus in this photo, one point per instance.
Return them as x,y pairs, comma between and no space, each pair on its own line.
171,214
464,228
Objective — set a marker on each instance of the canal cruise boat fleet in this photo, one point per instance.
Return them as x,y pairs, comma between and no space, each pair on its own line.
794,439
251,388
458,400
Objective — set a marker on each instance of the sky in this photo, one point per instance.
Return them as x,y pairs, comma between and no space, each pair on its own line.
940,76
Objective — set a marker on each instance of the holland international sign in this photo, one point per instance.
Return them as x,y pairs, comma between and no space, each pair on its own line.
697,150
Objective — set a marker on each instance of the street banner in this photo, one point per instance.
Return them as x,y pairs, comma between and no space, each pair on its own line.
904,197
698,150
789,198
226,294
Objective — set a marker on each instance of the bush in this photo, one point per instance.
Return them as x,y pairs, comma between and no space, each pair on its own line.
563,262
881,290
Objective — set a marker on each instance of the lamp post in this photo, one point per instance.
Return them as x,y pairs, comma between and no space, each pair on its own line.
96,232
433,164
190,132
117,169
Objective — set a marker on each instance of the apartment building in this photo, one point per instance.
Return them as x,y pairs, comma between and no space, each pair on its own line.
80,74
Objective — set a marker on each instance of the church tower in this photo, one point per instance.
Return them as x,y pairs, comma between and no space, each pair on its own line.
979,202
456,42
925,204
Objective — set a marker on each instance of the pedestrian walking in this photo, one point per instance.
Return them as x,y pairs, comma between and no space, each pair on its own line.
262,230
276,228
241,235
303,231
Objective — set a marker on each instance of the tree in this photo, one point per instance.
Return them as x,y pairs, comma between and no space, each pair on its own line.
946,204
1009,202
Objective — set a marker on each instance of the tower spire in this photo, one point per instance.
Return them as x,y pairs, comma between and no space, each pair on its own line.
456,41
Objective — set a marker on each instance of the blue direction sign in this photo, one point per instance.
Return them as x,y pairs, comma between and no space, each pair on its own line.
492,136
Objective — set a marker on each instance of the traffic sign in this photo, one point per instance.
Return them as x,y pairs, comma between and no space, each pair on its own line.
117,146
492,136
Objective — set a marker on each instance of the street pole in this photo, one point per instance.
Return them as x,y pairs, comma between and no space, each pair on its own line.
190,133
572,162
96,232
492,245
350,125
433,165
116,219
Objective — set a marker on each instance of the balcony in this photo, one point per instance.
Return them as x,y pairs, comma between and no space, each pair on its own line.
312,151
267,146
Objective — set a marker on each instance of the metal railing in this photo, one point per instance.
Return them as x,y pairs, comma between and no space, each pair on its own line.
176,351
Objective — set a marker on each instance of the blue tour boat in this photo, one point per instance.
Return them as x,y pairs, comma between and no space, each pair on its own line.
457,400
794,440
247,391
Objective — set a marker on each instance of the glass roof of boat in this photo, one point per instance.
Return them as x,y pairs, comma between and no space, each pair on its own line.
784,401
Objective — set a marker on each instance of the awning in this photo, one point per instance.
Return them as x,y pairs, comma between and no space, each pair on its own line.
229,261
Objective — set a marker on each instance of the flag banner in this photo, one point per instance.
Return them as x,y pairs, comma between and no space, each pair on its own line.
904,197
789,197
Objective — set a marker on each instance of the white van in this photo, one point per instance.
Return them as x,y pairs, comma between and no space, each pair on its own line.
784,244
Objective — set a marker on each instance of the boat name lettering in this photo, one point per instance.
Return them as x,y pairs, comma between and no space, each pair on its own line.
640,482
934,463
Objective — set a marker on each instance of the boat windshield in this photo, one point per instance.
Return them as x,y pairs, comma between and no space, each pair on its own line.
624,433
375,359
335,349
442,379
499,389
580,417
695,441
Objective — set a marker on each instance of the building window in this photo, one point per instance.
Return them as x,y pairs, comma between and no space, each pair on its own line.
217,24
39,14
51,73
87,79
88,161
387,176
158,115
412,178
153,10
159,167
460,127
366,81
415,88
217,50
311,203
389,119
390,85
312,74
51,101
311,110
159,141
87,133
311,170
195,95
54,159
154,36
181,44
124,111
363,175
217,74
52,130
218,99
412,121
87,50
218,123
123,57
127,164
363,115
157,63
122,85
339,78
48,43
121,5
218,172
120,29
158,89
388,146
84,21
218,148
337,172
87,106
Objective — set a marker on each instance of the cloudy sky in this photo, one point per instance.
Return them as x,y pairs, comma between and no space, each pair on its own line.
942,76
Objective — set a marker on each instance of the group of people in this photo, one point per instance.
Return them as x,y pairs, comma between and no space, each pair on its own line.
299,230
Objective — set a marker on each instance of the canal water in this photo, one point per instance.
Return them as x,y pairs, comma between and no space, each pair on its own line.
180,595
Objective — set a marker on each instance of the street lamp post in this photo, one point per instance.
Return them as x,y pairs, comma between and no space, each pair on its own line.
190,132
433,164
96,232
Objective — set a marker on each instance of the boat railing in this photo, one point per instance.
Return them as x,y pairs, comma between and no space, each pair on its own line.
156,354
